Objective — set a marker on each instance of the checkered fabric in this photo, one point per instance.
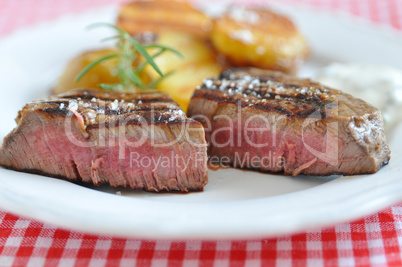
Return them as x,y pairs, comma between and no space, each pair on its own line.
375,240
17,13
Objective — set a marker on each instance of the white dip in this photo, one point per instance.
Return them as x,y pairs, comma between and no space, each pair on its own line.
381,86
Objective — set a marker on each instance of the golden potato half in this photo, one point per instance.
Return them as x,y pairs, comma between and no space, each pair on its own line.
105,72
160,15
259,38
199,62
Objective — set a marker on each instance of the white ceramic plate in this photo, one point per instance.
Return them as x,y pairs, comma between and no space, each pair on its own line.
235,204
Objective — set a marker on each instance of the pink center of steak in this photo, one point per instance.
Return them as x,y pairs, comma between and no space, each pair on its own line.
84,135
272,122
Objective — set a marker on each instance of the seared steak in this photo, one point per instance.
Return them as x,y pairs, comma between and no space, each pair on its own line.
272,122
141,140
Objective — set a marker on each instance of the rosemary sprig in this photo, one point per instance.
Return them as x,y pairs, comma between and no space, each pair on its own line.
129,50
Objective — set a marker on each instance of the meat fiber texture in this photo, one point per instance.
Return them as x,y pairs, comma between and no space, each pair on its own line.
140,140
272,122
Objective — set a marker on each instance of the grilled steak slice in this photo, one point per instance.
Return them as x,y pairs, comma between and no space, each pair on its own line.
141,140
272,122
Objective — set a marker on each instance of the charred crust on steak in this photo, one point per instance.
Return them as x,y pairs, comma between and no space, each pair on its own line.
132,96
269,90
60,137
97,107
303,119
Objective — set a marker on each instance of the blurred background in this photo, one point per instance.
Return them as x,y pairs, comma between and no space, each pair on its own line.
17,13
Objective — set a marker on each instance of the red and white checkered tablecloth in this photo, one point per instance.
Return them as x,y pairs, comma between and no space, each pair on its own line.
375,240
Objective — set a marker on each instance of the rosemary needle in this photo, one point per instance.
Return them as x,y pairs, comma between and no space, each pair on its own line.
129,50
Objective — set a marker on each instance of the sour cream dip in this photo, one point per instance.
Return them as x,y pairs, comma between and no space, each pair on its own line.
380,86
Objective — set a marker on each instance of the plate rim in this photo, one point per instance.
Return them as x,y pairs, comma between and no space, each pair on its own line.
179,235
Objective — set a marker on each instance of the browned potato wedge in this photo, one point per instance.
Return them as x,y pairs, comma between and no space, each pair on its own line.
199,62
259,38
193,49
105,72
160,15
182,83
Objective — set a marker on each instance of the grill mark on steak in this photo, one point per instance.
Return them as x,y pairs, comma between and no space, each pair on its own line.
305,119
96,107
286,106
132,96
107,111
149,99
291,97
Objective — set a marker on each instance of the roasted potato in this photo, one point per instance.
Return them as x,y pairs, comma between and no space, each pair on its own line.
187,73
182,83
157,16
199,62
105,72
259,38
